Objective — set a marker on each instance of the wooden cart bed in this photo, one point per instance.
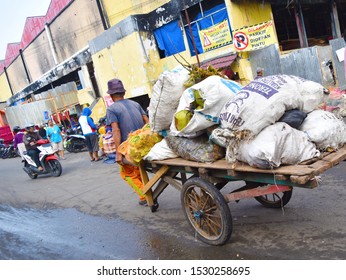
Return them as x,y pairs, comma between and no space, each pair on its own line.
298,175
205,207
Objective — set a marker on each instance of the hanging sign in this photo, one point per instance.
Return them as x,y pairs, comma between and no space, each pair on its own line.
254,37
215,36
45,116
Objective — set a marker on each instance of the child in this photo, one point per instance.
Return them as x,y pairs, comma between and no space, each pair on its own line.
109,145
101,131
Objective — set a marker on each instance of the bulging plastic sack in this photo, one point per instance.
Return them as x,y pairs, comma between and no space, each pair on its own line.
277,144
165,98
325,129
195,149
204,101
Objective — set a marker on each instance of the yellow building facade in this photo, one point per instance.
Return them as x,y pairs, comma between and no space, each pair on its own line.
129,50
135,57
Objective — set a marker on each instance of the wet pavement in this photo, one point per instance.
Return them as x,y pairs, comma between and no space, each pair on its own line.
90,213
65,234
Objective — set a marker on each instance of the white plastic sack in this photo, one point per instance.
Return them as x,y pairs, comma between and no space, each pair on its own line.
165,98
160,151
263,101
324,129
215,91
277,144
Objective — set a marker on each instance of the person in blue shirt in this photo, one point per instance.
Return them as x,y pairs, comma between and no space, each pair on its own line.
55,138
89,130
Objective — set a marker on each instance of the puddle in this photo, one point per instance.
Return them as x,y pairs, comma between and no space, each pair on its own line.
68,234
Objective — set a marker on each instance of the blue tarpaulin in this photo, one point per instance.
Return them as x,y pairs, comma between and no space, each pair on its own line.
170,38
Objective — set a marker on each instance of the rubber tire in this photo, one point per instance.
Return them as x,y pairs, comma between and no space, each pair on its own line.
68,148
32,176
286,197
219,200
57,165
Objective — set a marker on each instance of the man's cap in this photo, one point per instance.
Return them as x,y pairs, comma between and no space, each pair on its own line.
28,125
115,86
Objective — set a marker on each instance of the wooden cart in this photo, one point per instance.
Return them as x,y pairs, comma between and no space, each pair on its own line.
206,208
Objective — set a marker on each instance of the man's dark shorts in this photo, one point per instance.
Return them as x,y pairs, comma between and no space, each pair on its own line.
92,142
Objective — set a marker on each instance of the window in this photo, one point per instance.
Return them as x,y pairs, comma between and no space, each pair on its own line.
169,39
203,16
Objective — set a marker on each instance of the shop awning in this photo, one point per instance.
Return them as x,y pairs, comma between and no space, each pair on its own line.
220,62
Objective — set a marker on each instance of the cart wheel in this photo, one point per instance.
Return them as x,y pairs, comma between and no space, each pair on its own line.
275,200
207,211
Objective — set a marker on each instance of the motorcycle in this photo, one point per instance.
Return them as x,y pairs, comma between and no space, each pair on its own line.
7,151
48,159
2,149
10,152
74,143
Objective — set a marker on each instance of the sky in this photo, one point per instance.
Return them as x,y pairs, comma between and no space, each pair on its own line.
13,17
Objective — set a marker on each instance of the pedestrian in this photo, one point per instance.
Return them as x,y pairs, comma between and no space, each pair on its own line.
259,72
125,116
30,140
42,131
101,131
74,124
18,143
55,138
109,146
89,131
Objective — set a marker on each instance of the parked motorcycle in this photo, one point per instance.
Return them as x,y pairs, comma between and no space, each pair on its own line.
2,149
9,152
48,159
75,142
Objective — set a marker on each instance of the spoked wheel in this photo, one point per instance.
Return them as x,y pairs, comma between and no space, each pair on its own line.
275,200
55,167
207,211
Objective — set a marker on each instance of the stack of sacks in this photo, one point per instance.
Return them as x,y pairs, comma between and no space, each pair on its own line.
262,103
199,109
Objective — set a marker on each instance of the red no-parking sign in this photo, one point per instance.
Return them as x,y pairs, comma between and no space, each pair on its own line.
240,41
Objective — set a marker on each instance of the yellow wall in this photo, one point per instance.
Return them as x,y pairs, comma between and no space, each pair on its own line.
16,74
124,60
98,111
121,9
5,91
248,13
75,27
38,57
156,65
135,59
85,96
244,14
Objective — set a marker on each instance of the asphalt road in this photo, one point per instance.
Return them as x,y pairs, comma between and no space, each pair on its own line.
90,213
